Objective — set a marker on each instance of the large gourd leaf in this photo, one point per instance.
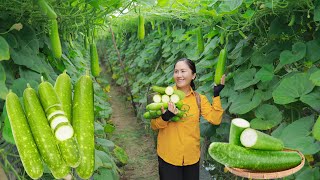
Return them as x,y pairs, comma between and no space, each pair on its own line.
20,84
4,49
237,51
246,55
313,53
3,87
211,45
246,101
120,154
104,174
267,117
7,131
105,143
205,88
206,63
315,77
3,116
27,54
312,99
223,130
245,79
265,55
265,73
191,52
229,6
29,75
178,35
316,16
154,76
98,128
292,88
102,159
308,173
287,57
297,136
206,77
268,87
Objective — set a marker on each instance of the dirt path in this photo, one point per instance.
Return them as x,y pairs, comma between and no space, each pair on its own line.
131,136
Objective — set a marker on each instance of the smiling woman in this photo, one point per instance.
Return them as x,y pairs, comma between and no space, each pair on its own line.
179,142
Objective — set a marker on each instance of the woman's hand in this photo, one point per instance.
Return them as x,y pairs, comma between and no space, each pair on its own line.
223,79
171,107
217,89
171,112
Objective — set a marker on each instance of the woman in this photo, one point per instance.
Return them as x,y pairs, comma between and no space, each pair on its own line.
178,145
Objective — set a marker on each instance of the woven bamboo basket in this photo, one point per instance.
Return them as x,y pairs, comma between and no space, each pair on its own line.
267,175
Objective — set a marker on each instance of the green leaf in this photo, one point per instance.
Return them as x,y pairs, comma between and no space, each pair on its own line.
19,85
205,88
154,76
3,116
98,128
277,132
103,161
287,57
7,131
246,101
308,173
268,87
265,55
248,14
206,129
229,6
206,63
267,117
245,79
11,40
312,99
4,49
315,78
297,136
29,75
292,88
3,87
191,52
223,130
237,51
211,45
121,155
105,143
104,174
313,53
160,80
104,158
109,128
212,33
316,16
178,35
206,77
97,162
265,73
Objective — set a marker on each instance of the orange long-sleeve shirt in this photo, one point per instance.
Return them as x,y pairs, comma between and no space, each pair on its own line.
179,142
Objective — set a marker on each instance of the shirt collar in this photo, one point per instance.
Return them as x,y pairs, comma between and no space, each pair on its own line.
191,90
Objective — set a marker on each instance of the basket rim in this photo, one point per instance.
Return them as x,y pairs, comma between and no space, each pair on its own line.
268,175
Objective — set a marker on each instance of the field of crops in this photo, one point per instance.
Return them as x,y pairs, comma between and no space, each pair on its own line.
272,53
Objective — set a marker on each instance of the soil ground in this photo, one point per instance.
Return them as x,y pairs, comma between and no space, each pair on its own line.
131,135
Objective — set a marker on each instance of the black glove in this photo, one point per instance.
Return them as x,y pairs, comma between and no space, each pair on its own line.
217,89
167,115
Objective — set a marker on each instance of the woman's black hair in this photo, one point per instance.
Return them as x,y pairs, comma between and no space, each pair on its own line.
192,66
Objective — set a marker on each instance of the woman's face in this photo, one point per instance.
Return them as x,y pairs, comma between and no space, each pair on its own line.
183,75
